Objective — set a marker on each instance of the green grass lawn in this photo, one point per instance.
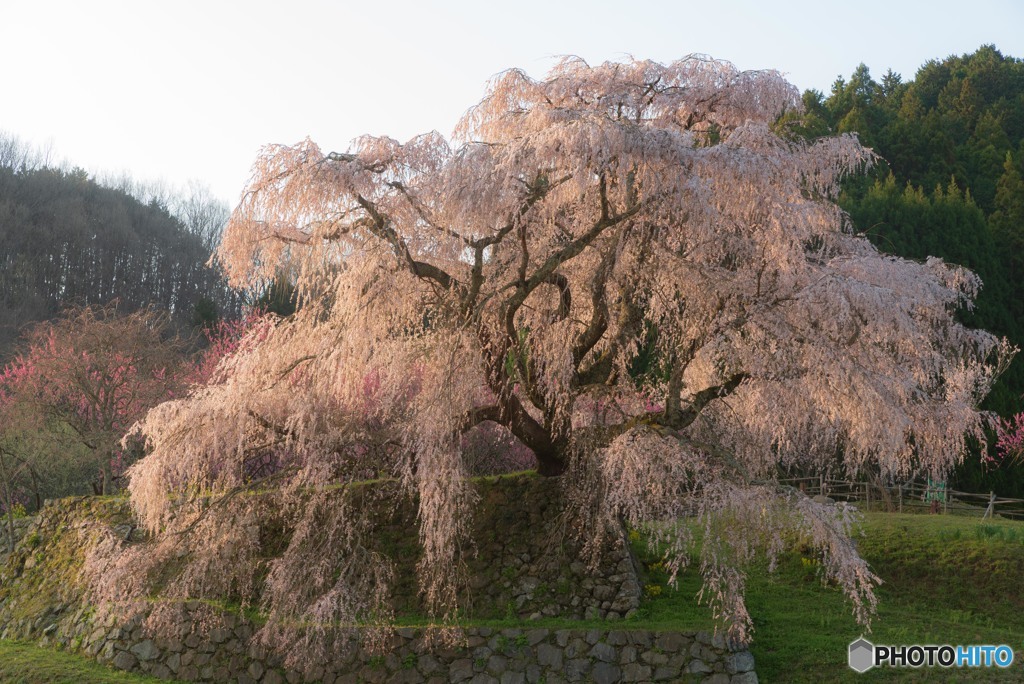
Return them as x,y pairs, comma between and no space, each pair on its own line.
947,580
29,664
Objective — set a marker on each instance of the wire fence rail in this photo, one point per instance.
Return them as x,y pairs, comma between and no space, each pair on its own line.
915,495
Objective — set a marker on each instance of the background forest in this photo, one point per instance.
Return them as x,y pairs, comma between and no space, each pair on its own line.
952,186
953,140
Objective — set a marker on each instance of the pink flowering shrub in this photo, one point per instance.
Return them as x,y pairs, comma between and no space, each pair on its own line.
1010,438
91,375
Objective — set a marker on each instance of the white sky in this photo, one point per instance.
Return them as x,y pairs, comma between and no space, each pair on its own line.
180,90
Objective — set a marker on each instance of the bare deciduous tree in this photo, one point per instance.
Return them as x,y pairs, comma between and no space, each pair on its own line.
581,222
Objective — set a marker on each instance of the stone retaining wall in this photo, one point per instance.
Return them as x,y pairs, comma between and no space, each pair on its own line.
486,656
526,564
523,566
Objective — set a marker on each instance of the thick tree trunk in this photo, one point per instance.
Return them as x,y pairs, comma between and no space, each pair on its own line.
8,504
550,452
10,528
550,464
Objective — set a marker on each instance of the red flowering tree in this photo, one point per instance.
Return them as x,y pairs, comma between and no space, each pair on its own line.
223,339
1010,438
89,376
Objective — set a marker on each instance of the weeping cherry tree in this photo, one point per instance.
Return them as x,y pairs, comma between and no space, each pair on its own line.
516,275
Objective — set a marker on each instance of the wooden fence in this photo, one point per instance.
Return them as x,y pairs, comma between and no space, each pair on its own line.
910,496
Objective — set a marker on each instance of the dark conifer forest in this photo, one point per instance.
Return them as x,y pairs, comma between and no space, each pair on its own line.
952,141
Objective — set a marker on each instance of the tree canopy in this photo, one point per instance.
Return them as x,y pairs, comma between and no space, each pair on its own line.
516,275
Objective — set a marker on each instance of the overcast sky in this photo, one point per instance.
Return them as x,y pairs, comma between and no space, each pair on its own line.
184,90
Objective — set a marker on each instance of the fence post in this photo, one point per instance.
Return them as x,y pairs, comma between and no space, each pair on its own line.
867,495
990,511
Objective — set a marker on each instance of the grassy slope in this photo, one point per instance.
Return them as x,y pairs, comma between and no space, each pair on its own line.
29,664
947,580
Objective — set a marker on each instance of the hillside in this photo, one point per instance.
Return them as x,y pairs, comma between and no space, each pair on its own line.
951,142
67,240
952,146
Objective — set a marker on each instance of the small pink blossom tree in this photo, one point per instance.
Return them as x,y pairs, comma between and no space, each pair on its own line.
223,339
92,374
1010,438
514,277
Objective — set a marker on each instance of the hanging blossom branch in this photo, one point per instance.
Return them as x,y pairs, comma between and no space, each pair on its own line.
621,267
